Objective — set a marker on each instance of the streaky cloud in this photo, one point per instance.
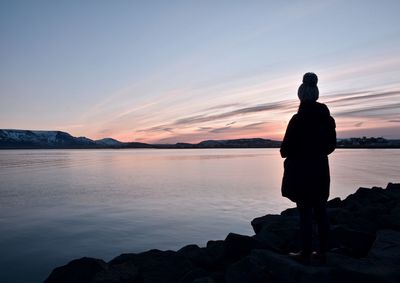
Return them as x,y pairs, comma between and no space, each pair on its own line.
238,112
252,126
160,128
355,97
204,129
226,105
369,111
221,130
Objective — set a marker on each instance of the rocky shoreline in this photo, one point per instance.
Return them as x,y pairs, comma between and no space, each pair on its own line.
364,247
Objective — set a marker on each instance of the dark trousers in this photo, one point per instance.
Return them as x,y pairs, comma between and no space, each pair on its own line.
306,225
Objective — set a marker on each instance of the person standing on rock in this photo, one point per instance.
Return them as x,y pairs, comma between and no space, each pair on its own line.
310,137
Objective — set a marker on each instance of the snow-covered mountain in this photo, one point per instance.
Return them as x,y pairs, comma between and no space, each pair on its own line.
10,138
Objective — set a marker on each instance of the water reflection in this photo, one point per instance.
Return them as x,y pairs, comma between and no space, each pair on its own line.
61,204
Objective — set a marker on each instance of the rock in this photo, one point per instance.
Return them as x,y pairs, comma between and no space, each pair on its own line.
350,270
282,269
80,270
393,187
237,246
198,256
118,273
259,222
339,268
354,243
279,233
218,276
335,203
157,266
367,199
193,275
290,212
393,190
386,248
246,270
204,280
216,250
391,221
367,210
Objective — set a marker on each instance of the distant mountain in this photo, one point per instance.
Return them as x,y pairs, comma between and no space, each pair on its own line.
238,143
109,142
235,143
20,139
42,139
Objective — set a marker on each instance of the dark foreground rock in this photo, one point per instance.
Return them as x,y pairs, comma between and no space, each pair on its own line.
364,247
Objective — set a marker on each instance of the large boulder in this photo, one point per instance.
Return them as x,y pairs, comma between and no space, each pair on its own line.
81,270
282,269
351,242
216,252
246,270
157,266
386,248
125,272
196,274
347,269
237,246
198,256
339,268
277,232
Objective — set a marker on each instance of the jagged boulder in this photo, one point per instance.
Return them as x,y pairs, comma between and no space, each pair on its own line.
198,256
282,269
386,248
351,242
277,232
81,270
196,274
125,272
156,266
237,246
246,270
216,252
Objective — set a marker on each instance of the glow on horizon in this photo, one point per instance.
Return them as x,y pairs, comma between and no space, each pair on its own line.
186,72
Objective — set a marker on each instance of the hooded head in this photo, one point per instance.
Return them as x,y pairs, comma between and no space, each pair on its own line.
308,90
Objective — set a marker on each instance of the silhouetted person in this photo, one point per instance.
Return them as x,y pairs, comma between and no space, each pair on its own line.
310,136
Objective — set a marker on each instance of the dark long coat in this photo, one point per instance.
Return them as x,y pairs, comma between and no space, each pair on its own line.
310,137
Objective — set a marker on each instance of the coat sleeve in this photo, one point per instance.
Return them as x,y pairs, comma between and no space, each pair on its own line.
331,138
286,146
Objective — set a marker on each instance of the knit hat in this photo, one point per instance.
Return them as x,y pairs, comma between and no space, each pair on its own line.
308,90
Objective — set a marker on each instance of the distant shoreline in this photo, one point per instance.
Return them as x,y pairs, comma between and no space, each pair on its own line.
183,148
27,139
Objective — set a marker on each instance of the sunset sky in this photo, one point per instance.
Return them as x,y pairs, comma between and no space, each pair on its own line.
186,71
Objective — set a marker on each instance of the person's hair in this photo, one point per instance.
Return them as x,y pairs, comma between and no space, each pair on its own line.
308,90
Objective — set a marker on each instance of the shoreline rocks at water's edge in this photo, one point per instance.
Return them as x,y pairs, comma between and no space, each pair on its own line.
364,247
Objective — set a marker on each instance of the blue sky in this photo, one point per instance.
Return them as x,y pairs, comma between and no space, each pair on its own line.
168,71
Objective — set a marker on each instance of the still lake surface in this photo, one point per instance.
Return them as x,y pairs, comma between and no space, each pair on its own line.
57,205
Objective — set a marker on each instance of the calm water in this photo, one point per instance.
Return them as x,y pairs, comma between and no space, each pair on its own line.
56,205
